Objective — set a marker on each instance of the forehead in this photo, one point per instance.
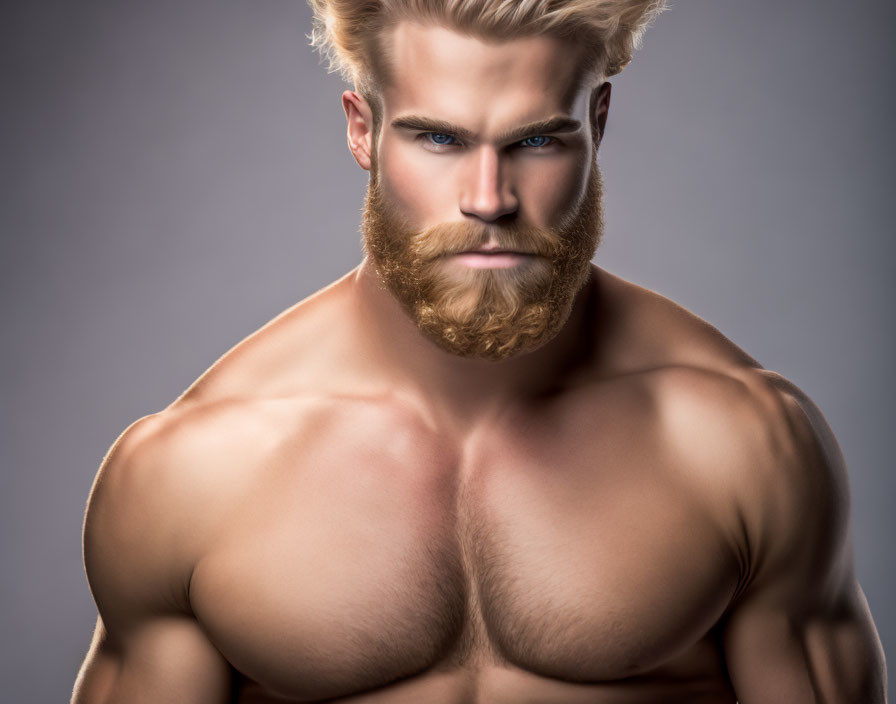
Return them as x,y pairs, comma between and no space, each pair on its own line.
482,84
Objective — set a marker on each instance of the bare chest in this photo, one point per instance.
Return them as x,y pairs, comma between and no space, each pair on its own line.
360,560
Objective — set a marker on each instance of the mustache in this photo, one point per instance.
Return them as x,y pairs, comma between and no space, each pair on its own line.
450,238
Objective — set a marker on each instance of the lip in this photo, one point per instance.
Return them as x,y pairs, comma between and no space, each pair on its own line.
493,250
491,258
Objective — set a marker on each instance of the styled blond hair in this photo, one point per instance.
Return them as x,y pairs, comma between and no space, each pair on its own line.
347,32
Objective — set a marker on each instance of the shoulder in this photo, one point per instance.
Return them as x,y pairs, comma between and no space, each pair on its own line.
713,400
752,416
642,330
795,502
177,451
160,490
754,442
770,459
288,355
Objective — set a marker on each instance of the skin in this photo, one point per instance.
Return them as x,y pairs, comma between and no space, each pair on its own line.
338,510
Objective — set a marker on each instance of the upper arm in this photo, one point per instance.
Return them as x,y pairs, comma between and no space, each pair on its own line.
147,646
800,630
166,659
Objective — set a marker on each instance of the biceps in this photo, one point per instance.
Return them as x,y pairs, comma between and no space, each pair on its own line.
168,660
833,658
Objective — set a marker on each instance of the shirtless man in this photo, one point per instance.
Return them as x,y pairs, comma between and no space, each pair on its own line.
458,475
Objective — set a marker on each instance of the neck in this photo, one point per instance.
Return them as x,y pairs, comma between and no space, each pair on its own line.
454,389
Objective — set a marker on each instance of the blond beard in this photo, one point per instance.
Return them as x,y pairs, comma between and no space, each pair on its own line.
491,313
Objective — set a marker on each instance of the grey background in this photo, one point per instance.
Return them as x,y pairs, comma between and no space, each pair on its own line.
175,173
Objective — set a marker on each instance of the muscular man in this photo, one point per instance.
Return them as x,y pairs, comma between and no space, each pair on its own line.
477,468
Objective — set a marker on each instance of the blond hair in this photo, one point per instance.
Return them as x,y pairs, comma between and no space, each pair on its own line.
347,32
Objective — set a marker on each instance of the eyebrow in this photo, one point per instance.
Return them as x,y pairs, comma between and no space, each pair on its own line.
426,124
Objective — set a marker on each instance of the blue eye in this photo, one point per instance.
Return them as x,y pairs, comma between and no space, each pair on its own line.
539,141
439,138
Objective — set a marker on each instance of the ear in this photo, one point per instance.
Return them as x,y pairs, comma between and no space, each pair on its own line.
360,127
598,110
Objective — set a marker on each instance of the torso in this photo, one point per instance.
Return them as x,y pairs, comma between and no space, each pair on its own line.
561,553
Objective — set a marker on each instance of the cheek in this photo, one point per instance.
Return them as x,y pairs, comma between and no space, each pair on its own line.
419,187
551,191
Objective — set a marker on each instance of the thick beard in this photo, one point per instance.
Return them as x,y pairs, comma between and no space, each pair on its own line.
484,313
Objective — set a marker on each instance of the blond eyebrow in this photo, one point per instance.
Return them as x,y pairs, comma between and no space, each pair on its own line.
551,125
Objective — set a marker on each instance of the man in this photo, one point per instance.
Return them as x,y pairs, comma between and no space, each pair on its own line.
478,468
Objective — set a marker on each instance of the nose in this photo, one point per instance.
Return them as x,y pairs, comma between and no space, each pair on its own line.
485,192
